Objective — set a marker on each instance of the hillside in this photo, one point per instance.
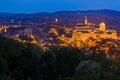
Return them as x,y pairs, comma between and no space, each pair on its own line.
26,62
110,17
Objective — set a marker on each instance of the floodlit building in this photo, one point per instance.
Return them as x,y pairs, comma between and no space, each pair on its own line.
86,32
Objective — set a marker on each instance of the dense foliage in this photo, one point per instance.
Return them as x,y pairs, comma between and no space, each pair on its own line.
26,62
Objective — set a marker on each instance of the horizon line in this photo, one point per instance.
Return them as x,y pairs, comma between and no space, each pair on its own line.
53,11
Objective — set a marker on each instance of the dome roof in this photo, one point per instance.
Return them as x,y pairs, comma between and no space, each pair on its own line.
102,23
102,26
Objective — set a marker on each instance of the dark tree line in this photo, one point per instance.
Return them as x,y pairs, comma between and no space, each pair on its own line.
26,62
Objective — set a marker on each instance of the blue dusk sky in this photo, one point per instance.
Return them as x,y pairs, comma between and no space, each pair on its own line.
33,6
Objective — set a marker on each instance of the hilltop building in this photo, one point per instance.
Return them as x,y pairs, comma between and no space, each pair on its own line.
86,32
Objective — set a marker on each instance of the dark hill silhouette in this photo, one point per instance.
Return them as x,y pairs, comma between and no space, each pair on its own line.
110,17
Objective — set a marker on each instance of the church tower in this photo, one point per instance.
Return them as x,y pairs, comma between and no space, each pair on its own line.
56,20
86,20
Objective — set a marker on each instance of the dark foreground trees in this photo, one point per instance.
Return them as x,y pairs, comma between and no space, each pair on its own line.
26,62
18,61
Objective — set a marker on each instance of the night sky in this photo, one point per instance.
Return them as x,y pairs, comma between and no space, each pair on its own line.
33,6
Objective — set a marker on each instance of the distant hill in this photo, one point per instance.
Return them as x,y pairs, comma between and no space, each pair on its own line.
110,17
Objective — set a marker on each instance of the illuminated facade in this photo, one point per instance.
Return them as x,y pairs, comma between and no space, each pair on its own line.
85,33
88,35
3,28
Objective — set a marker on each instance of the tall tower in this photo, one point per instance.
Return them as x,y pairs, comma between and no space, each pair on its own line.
5,29
56,20
86,20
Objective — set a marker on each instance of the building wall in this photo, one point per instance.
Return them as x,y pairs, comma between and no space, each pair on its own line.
98,33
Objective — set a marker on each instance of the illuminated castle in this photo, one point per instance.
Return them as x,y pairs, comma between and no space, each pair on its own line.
84,33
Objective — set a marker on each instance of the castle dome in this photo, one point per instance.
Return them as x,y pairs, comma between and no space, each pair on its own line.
102,26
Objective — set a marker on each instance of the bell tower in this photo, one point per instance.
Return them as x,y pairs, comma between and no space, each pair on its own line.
86,20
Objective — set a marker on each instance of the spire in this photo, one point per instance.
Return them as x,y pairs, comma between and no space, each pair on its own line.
86,20
56,20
